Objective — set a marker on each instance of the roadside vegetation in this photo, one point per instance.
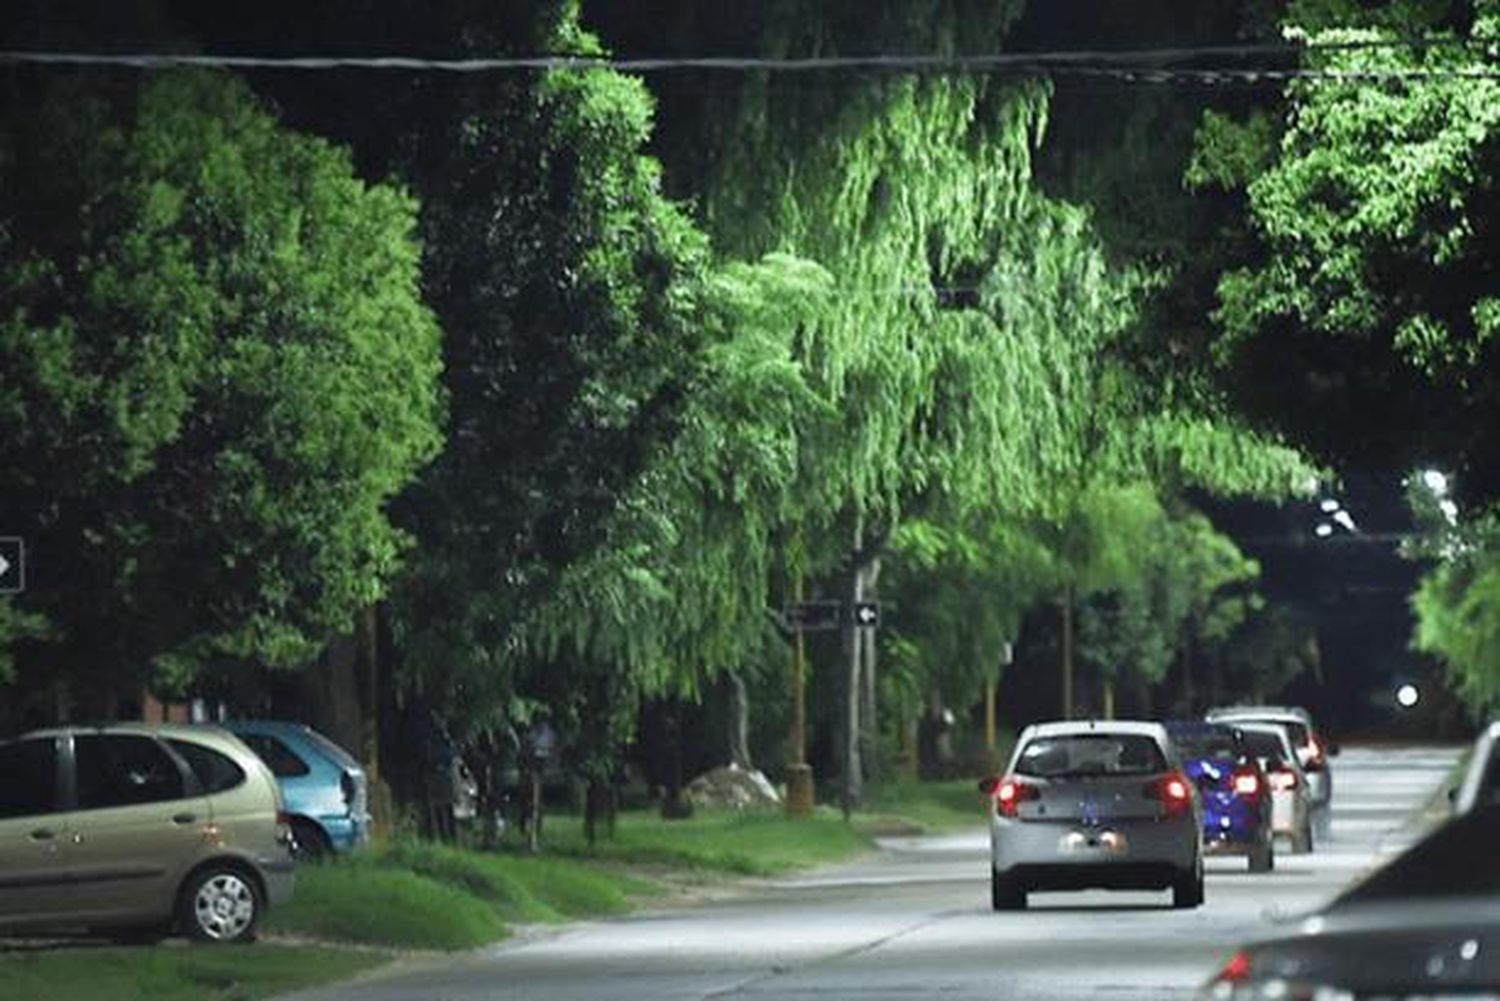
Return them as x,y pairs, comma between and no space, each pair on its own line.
231,973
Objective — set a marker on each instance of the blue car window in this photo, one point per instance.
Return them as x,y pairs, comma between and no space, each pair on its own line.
282,760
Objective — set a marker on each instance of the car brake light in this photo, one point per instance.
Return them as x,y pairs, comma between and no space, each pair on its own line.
346,785
1173,792
1011,793
283,828
1246,784
1282,779
1236,970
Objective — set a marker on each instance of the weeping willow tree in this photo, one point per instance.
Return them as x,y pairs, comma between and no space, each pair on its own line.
922,334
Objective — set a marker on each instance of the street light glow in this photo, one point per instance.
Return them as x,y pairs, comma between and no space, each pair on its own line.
1435,481
1329,505
1407,696
1324,530
1449,509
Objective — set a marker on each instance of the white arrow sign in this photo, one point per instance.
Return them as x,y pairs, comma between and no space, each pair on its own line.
4,565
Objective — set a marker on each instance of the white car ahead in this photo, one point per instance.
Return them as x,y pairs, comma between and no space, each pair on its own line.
1094,805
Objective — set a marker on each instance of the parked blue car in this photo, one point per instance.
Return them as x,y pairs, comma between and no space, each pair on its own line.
1233,788
323,788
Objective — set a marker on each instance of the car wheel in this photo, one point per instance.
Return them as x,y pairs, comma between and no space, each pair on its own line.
310,842
1006,893
1263,856
1187,891
220,903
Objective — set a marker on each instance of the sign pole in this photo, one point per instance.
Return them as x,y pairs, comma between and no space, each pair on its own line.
799,776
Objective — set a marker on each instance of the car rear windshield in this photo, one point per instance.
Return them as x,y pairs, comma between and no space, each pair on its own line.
1219,743
1091,754
1264,744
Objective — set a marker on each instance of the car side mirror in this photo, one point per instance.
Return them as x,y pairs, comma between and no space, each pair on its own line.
988,783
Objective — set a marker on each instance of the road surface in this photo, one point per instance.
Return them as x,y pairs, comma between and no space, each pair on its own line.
915,923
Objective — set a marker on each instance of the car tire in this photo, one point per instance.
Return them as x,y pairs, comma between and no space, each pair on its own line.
1263,856
310,842
1187,890
1006,893
221,904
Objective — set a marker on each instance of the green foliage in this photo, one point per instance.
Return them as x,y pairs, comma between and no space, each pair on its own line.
570,290
228,973
749,843
364,901
218,372
1374,282
1271,648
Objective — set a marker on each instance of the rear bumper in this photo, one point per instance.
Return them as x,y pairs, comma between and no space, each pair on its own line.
1049,849
346,833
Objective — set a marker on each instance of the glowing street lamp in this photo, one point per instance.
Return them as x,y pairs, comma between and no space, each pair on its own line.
1407,696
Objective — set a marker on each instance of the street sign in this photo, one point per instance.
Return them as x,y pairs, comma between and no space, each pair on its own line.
12,565
867,614
811,616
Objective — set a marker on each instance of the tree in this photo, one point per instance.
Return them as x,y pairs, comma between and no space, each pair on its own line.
218,371
1374,286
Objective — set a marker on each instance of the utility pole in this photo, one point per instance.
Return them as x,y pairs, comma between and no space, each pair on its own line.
853,779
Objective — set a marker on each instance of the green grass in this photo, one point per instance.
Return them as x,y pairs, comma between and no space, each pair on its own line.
197,973
524,888
420,895
926,806
751,843
365,901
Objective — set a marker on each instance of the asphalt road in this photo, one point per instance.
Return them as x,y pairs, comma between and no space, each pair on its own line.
915,922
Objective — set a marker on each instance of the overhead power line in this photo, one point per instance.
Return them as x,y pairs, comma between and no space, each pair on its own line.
1140,65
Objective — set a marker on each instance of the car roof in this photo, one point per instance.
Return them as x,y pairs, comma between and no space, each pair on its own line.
1073,728
129,727
1260,712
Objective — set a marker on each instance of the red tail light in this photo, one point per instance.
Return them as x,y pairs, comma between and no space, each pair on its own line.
1282,779
1247,784
1011,793
1236,970
1173,792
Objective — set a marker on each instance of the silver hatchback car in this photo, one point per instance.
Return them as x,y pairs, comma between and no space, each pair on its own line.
1094,805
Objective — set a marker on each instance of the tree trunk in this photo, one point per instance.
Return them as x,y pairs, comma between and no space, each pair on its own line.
1108,683
1067,651
738,706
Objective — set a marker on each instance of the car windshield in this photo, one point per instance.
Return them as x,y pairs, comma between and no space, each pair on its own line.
1090,754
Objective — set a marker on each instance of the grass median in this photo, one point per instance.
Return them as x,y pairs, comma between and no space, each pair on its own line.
172,973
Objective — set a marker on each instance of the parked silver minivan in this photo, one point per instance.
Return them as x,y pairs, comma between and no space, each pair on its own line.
140,826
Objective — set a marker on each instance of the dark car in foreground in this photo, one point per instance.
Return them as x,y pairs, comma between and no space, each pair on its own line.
1425,926
1235,791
